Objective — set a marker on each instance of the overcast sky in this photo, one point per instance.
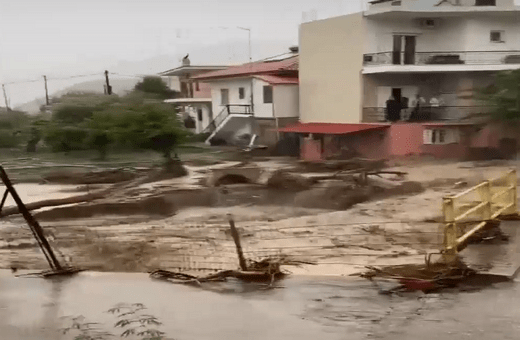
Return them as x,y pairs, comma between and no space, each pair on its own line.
60,38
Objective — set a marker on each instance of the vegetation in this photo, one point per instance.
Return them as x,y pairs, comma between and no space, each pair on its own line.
503,97
155,86
13,128
131,320
88,121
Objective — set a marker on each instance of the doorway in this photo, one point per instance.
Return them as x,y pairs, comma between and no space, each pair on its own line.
404,56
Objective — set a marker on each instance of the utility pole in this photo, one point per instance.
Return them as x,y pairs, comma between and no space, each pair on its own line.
5,98
46,91
109,88
250,63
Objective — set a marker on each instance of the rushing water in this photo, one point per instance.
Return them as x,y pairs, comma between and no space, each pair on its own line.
305,308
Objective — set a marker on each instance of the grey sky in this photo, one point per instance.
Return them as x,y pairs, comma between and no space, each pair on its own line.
67,37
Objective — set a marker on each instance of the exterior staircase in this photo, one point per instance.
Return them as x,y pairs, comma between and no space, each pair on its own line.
233,120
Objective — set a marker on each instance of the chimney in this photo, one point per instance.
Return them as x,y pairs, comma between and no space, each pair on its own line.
294,49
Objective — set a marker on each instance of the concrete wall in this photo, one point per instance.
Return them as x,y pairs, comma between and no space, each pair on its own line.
480,28
261,109
286,101
232,85
399,140
234,127
206,116
381,31
331,60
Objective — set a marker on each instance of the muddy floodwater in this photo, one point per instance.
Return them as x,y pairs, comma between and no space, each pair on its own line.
305,308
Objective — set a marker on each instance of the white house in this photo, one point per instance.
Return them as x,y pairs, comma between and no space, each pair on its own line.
195,96
254,99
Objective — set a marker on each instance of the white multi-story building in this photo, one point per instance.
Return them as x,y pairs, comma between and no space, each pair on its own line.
439,50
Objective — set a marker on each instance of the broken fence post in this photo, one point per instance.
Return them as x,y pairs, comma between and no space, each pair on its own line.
236,239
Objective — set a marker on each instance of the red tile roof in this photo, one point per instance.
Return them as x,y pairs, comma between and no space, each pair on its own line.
278,80
332,128
259,67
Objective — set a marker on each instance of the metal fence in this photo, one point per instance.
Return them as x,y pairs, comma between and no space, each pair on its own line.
481,204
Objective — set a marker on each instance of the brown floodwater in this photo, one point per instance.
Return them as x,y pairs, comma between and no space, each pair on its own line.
305,308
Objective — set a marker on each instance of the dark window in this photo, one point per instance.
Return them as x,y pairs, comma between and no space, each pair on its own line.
241,93
496,36
197,88
268,94
224,96
485,3
199,115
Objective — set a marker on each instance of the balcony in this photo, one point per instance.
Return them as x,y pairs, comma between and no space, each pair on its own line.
427,113
424,61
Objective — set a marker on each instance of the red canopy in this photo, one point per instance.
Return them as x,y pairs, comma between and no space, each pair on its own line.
332,128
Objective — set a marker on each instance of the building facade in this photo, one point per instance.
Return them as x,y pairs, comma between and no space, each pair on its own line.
254,100
194,104
436,53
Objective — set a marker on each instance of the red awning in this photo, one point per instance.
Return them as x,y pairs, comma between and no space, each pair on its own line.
331,128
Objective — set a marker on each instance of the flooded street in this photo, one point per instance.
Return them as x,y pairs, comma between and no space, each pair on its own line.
306,308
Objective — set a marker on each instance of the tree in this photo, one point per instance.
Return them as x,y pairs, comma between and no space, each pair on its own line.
155,86
151,126
503,97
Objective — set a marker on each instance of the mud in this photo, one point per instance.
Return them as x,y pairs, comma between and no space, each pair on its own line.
178,224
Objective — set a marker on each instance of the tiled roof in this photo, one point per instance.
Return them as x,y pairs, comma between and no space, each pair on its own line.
259,67
278,80
332,128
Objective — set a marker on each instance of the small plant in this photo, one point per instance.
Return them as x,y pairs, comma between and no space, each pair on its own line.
134,322
86,330
131,319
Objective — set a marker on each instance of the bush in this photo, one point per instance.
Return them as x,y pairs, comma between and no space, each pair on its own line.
9,139
66,138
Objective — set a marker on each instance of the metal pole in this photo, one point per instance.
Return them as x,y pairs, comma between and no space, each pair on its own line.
109,88
5,98
46,91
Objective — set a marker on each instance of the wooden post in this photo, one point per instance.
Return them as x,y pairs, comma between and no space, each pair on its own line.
236,238
450,230
33,224
512,182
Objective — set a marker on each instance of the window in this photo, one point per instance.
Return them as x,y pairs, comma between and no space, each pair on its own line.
197,88
199,115
268,94
496,36
241,93
485,3
224,96
441,136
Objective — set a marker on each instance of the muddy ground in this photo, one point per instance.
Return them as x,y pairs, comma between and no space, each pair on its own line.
180,224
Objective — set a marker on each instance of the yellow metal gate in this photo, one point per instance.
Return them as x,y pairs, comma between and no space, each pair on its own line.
468,212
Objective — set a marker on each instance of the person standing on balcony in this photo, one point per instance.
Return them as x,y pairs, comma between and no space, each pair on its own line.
435,104
393,109
417,104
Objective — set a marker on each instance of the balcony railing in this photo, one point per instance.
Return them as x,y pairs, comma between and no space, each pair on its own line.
226,111
427,113
443,58
244,109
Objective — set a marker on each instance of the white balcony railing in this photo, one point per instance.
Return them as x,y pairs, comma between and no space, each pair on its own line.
443,58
